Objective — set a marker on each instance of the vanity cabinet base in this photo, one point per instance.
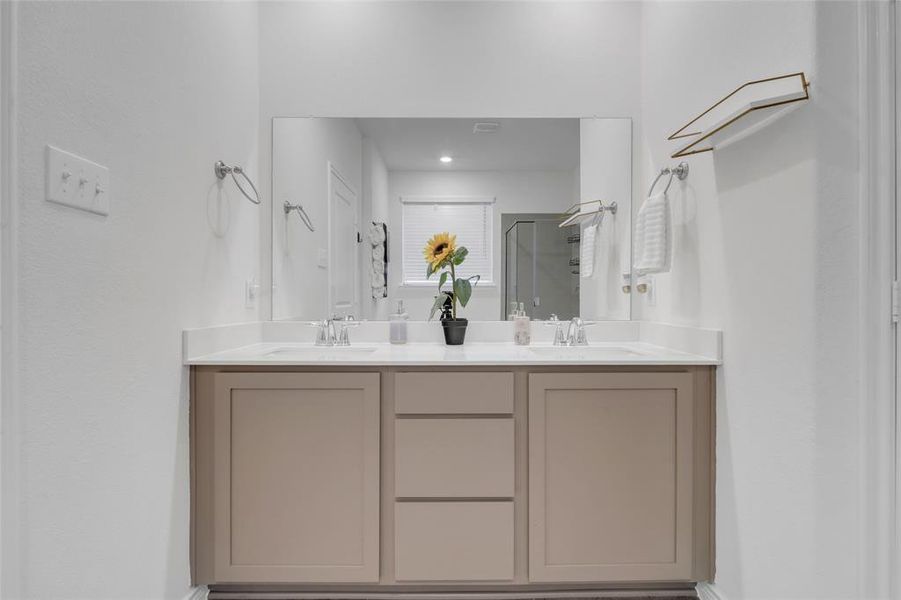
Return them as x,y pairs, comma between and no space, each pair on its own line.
321,481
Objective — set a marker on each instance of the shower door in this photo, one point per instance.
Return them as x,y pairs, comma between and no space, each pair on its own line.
541,268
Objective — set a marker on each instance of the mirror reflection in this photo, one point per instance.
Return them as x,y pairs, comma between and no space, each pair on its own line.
542,206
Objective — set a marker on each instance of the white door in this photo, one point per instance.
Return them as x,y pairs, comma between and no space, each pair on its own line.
343,228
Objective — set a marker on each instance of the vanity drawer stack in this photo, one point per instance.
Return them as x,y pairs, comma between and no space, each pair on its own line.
454,476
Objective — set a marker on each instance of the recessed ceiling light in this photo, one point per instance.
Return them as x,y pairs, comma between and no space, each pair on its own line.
446,159
486,127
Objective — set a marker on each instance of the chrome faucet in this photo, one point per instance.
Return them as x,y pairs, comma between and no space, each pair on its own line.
334,331
575,332
575,335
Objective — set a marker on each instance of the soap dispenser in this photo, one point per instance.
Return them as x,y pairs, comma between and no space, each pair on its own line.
522,327
398,325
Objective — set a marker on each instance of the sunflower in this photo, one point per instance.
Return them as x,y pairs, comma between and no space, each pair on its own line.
439,248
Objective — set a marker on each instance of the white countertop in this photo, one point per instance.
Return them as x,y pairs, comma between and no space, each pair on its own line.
432,354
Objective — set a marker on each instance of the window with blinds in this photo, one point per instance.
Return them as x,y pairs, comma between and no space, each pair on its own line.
470,219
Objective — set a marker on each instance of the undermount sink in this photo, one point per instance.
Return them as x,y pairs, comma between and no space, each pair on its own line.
319,351
583,352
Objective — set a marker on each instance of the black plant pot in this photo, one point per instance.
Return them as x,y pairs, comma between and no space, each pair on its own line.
454,331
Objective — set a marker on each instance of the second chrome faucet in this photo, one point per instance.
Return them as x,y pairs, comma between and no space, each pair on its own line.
575,332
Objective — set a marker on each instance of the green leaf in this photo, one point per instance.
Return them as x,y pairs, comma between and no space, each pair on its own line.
436,306
460,255
429,271
463,291
442,281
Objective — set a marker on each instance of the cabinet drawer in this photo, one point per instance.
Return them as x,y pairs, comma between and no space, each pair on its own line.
454,458
453,541
453,393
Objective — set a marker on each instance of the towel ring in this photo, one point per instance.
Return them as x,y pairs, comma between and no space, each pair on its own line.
300,213
680,171
223,169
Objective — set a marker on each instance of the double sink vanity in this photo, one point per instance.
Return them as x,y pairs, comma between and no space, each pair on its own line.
327,462
486,467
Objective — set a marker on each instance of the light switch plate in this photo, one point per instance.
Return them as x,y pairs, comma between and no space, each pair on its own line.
77,182
322,259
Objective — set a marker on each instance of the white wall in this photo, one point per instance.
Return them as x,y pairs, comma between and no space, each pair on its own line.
766,249
157,92
513,191
447,59
375,208
605,150
302,151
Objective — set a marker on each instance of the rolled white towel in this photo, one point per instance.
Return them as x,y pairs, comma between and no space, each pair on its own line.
376,234
378,253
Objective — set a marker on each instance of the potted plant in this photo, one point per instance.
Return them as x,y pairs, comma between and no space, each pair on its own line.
443,256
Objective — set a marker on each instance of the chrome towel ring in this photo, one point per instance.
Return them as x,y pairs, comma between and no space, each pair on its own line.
223,169
680,171
298,208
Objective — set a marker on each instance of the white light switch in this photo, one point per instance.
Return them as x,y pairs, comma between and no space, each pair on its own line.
322,259
77,182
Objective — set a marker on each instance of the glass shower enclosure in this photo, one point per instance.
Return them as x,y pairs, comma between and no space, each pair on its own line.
540,266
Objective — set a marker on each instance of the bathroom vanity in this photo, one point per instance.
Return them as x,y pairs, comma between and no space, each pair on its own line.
422,468
487,467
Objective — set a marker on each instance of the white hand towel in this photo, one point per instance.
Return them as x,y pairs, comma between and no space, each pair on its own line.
587,250
378,253
653,236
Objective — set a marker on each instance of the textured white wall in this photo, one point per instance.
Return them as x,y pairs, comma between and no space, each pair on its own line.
157,92
447,59
766,249
605,150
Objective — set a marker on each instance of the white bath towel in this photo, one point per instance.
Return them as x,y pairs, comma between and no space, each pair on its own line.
653,236
587,250
378,253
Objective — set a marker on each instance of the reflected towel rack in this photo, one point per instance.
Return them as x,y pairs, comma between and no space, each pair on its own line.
298,208
575,214
223,169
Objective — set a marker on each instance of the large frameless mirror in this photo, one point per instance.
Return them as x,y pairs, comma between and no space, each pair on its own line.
543,207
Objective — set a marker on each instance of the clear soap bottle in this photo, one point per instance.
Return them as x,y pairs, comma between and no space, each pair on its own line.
398,325
522,327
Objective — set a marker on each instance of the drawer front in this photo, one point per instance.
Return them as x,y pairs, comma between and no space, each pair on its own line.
453,393
453,541
454,458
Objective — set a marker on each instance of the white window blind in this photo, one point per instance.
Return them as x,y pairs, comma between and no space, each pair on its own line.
470,219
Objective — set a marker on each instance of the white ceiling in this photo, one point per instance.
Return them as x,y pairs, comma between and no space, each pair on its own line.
518,145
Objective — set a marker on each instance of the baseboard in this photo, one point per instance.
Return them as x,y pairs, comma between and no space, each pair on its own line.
636,593
197,593
708,591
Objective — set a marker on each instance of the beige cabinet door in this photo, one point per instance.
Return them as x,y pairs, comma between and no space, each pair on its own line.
610,477
296,477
